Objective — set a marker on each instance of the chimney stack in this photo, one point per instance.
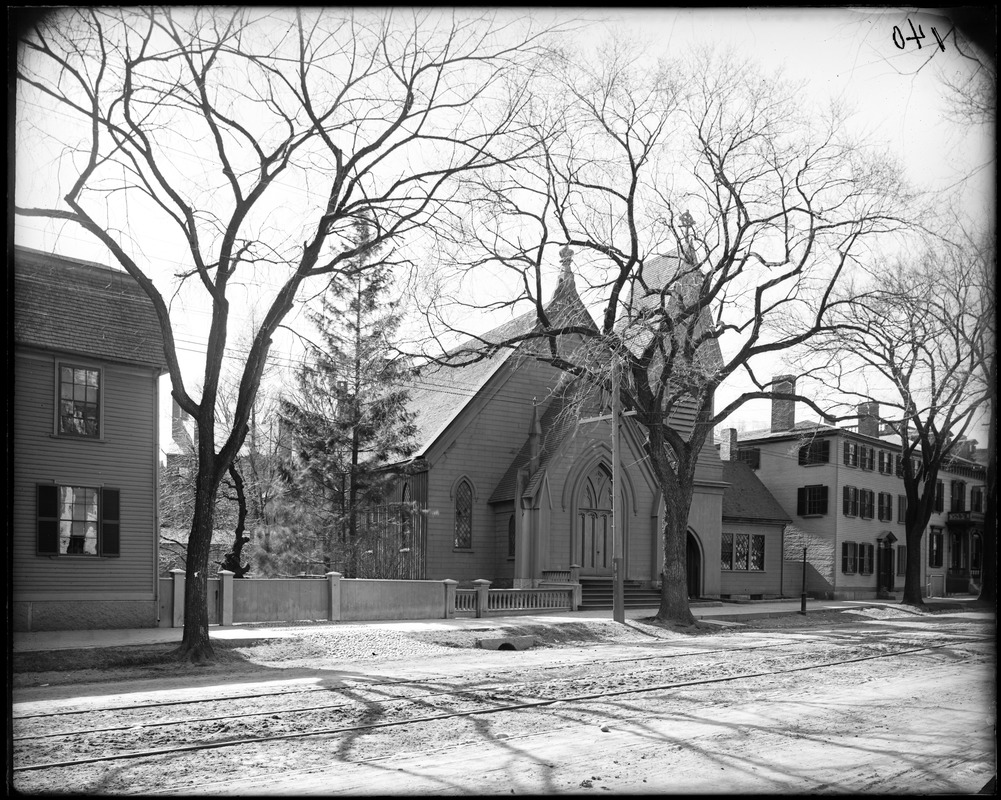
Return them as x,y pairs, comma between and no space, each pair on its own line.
868,419
728,445
783,411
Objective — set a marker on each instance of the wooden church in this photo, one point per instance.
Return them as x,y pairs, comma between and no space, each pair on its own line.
509,484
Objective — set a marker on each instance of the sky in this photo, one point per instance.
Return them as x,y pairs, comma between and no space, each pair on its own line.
875,60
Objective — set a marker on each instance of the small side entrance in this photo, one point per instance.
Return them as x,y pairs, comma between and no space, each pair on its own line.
693,566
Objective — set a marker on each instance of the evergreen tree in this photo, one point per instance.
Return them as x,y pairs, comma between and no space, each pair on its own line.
350,417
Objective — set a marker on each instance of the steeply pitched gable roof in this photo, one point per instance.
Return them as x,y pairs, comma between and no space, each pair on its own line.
79,307
441,392
747,497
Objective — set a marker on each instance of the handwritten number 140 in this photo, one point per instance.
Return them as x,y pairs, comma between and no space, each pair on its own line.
916,36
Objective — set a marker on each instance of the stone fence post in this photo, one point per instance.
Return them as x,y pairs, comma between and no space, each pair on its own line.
482,596
177,601
225,597
334,585
450,587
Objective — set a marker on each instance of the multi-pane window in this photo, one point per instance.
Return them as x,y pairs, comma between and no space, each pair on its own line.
849,501
866,553
857,557
935,547
867,502
901,559
742,551
79,401
849,558
939,496
851,454
901,508
885,507
958,496
811,501
77,520
817,451
867,458
750,456
898,465
885,462
977,499
464,515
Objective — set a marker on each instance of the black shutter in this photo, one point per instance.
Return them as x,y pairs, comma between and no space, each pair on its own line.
47,519
801,501
844,558
846,493
825,451
110,522
823,499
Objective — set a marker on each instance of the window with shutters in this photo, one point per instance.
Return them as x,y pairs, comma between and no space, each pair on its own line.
977,499
816,452
464,515
849,501
901,509
867,458
935,547
958,502
78,407
866,558
811,501
851,454
77,520
939,496
901,559
849,558
898,465
867,503
885,507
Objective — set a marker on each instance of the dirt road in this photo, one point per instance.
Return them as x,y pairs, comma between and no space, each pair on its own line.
898,705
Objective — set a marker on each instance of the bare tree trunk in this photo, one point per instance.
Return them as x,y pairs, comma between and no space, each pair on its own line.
195,643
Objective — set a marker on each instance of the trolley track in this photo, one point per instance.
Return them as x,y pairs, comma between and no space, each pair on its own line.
356,715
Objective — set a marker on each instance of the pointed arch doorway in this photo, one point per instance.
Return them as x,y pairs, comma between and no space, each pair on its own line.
593,523
693,566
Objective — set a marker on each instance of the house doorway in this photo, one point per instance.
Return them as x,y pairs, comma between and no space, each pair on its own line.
693,566
593,539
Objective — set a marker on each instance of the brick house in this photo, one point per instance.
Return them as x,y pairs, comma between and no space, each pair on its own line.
88,355
843,488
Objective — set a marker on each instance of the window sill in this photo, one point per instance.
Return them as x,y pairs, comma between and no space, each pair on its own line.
463,550
811,516
65,437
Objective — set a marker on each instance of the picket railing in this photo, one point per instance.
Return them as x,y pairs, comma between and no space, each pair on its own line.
483,601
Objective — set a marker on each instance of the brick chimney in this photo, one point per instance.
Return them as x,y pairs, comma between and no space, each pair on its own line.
728,445
783,411
868,419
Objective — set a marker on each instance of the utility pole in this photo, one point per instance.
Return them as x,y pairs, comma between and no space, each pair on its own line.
618,592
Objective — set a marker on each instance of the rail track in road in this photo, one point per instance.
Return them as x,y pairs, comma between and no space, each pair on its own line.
368,707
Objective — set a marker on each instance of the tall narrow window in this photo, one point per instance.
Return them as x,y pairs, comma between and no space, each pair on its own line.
510,537
935,547
901,559
79,401
406,516
958,496
939,496
464,515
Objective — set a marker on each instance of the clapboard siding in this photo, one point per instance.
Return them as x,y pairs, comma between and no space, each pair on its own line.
124,459
481,445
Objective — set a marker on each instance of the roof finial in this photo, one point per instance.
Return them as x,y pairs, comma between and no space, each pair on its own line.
687,223
566,256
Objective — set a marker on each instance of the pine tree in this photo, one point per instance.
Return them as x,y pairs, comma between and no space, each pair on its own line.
350,417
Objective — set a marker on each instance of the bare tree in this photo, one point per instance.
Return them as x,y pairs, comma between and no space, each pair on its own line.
256,139
711,215
916,341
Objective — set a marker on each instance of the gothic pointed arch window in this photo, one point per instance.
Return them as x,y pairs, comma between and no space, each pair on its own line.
463,515
406,516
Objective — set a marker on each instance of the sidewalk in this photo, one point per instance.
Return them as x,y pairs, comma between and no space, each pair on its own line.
718,612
